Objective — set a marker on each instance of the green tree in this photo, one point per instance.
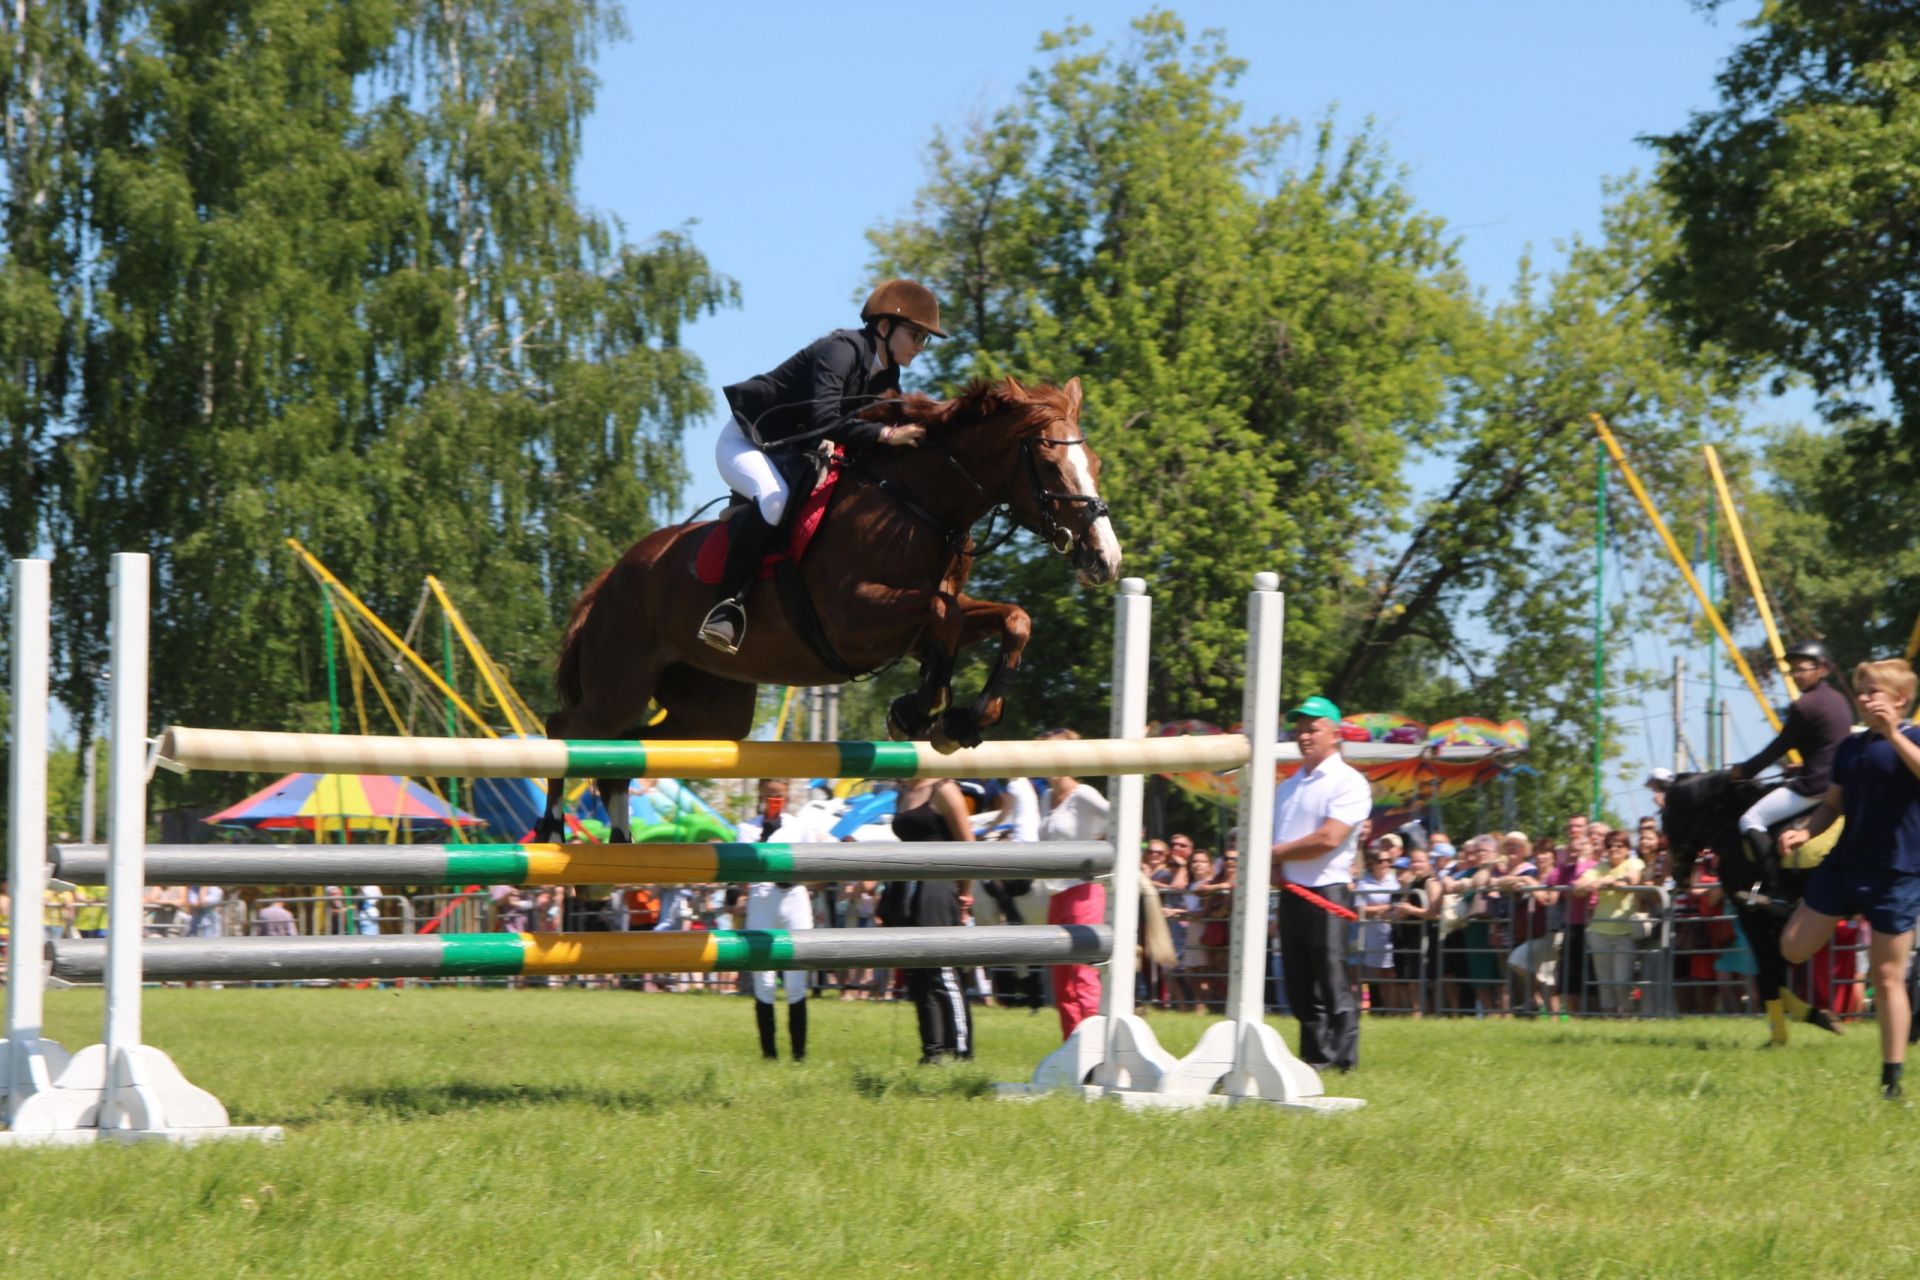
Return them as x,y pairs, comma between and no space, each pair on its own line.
1493,576
1262,339
339,288
1272,335
1795,201
1839,538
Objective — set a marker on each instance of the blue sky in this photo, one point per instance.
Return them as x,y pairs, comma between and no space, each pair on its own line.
763,126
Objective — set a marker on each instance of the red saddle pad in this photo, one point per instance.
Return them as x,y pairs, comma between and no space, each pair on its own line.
711,560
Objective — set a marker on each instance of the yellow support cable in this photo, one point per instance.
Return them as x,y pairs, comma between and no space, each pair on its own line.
1753,573
497,680
1686,570
386,634
780,725
1753,580
479,655
357,661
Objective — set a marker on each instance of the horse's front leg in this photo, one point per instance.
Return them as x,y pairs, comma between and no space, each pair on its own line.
981,620
914,715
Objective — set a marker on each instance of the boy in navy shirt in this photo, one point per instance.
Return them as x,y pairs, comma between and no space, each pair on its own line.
1874,869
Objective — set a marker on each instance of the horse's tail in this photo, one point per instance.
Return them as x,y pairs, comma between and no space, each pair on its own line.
566,673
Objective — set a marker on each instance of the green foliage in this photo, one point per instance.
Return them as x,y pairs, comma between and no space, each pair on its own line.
1497,570
1272,335
1795,197
336,286
1261,340
1839,534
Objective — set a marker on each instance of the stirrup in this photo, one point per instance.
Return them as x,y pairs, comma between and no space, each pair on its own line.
725,627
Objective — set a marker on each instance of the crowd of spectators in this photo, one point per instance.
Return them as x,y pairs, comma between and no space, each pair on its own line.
1588,920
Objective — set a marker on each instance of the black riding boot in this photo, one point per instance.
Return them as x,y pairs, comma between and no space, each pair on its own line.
1766,857
797,1028
726,623
763,1015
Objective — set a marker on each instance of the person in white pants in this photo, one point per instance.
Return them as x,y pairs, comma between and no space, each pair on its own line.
780,906
817,393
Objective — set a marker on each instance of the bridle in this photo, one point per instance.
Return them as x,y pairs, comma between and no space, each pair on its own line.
1058,536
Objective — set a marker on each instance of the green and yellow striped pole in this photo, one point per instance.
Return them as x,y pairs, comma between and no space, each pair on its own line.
242,751
502,955
587,864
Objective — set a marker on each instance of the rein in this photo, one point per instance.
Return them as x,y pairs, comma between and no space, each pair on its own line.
1056,535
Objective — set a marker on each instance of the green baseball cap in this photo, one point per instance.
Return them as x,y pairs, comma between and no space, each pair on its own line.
1315,708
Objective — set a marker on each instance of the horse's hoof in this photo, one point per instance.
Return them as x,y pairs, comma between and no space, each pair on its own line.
937,739
1822,1019
545,832
905,721
962,727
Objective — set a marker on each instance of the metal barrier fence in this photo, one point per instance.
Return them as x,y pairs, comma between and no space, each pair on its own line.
1528,951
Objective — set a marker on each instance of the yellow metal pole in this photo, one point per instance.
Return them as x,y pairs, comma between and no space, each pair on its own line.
1747,566
1913,640
1686,570
358,662
386,633
478,654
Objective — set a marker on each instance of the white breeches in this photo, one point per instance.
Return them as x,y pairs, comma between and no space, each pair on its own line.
794,979
749,471
1777,805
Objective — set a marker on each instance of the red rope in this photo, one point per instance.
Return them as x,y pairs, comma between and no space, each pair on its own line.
1320,902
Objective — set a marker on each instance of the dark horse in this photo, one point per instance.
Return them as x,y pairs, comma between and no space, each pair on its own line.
884,574
1703,813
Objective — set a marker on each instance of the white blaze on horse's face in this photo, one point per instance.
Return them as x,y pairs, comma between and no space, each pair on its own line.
1097,559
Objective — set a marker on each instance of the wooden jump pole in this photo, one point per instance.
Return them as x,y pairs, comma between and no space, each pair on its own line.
249,752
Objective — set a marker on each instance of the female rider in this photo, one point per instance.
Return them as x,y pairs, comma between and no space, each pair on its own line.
815,394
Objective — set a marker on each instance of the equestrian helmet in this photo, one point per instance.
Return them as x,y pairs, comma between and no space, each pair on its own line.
1811,651
911,302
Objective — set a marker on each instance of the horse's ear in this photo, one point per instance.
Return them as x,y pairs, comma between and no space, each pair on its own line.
1015,389
1073,395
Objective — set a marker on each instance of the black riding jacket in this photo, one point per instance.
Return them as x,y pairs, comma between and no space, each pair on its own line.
816,392
1817,723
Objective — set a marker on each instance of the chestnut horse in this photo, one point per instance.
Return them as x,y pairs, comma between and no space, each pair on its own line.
884,573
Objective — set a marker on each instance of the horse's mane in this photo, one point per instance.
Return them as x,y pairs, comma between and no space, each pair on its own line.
1035,405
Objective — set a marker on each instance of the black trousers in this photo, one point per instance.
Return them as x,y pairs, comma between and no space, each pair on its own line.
940,1003
796,1028
1313,949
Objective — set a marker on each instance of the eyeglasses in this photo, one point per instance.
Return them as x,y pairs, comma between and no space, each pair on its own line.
920,338
1801,668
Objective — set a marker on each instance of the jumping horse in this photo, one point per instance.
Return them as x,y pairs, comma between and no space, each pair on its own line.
1703,813
882,580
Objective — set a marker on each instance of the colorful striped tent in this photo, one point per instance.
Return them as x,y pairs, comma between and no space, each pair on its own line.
328,803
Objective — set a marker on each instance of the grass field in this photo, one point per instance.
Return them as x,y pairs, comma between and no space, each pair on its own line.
598,1133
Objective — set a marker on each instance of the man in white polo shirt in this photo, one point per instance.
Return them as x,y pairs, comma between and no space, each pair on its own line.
1316,824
